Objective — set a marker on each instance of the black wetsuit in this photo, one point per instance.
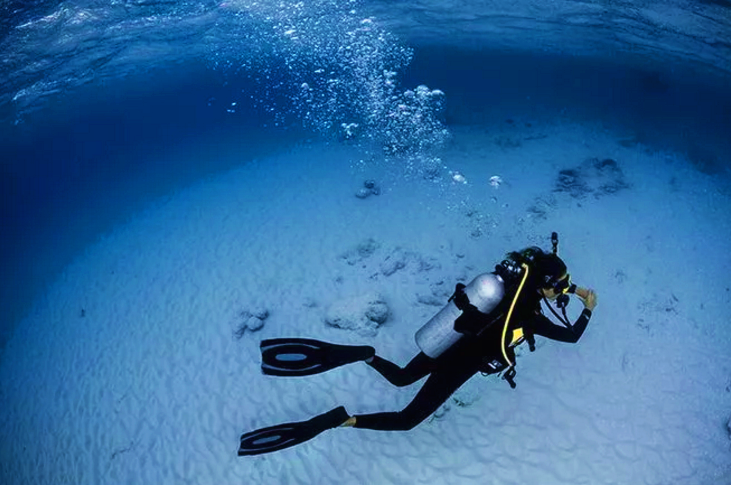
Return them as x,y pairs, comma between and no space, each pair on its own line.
458,364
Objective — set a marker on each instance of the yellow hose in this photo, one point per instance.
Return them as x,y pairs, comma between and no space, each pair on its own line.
510,314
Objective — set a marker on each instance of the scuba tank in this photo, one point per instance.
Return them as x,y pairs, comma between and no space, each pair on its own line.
485,292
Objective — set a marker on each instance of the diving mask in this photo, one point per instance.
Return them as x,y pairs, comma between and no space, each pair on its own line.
562,288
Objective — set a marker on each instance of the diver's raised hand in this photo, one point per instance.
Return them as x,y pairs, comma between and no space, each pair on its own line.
588,297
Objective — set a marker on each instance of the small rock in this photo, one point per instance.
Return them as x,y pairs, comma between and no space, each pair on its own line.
254,324
363,250
363,193
377,311
261,313
594,176
394,262
367,247
370,187
570,181
251,320
363,314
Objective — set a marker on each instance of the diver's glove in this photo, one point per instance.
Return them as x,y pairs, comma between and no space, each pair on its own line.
460,298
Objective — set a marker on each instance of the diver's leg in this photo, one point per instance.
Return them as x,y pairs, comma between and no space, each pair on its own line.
419,366
437,389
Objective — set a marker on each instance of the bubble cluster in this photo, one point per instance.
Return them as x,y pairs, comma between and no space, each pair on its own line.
325,64
413,122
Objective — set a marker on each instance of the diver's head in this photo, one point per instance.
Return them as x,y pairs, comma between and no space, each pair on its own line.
560,287
547,273
552,279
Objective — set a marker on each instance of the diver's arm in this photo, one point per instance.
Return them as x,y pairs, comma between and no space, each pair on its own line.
546,328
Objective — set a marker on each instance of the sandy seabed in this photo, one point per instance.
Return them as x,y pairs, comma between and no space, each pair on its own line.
127,370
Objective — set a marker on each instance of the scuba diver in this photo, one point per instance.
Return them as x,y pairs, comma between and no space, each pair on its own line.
477,331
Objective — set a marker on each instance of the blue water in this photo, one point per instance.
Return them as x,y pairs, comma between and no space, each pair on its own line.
98,100
109,108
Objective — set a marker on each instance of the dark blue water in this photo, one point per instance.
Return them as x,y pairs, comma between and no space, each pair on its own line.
674,108
74,169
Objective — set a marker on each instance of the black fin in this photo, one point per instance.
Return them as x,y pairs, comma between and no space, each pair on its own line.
275,438
303,357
